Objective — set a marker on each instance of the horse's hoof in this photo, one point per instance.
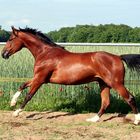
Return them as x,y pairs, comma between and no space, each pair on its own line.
137,119
94,119
17,112
136,122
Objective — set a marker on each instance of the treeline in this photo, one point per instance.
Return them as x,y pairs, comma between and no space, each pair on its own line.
4,35
101,33
90,33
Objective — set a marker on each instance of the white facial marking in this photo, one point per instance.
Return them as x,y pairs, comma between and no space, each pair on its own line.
15,97
93,119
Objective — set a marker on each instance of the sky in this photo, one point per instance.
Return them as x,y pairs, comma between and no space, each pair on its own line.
50,15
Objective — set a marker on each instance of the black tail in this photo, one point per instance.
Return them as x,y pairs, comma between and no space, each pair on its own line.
132,61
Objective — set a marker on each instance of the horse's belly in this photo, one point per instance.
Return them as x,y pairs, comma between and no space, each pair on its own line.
73,78
70,81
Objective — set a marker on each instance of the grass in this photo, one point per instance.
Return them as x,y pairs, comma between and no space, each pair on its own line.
82,98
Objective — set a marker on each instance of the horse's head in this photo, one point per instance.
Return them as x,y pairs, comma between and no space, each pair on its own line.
13,45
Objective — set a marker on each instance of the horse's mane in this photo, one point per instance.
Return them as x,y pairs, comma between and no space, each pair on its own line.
40,35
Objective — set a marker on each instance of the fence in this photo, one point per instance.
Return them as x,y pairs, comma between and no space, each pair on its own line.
93,44
100,44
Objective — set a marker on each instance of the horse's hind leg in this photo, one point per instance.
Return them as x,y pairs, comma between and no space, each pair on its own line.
105,101
17,94
129,98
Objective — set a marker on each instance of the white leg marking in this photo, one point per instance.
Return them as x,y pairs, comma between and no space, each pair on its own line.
15,97
16,113
137,119
93,119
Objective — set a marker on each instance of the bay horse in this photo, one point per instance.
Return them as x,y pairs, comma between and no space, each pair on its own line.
54,64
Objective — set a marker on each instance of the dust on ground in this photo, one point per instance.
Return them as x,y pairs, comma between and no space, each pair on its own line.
66,126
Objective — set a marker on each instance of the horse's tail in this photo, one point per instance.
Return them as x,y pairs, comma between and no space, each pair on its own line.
132,61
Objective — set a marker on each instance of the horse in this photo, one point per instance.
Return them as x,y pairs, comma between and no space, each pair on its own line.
55,64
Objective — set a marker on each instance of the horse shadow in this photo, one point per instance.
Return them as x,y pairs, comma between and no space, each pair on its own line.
41,115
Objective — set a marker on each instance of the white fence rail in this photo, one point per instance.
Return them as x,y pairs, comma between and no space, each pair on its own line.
93,44
99,44
2,43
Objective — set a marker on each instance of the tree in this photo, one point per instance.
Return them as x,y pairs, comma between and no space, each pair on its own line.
134,35
4,35
100,33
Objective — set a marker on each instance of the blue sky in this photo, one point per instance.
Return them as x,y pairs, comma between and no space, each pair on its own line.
48,15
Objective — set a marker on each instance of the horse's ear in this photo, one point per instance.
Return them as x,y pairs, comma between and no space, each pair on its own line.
15,31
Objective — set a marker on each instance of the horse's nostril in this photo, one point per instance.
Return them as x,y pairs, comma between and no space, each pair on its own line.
2,54
5,54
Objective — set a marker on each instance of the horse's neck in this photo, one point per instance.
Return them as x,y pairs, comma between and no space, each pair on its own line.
34,49
34,46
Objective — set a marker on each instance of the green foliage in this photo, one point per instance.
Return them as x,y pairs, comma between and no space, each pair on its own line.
101,33
79,34
90,33
62,35
4,35
134,35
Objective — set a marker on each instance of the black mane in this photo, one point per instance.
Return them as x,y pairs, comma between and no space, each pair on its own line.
39,34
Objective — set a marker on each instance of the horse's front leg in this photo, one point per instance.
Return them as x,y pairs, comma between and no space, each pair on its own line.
17,94
34,87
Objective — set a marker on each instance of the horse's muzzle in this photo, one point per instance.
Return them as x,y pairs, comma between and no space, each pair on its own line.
5,54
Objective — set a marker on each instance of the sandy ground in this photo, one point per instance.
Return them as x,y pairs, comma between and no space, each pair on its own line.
66,126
